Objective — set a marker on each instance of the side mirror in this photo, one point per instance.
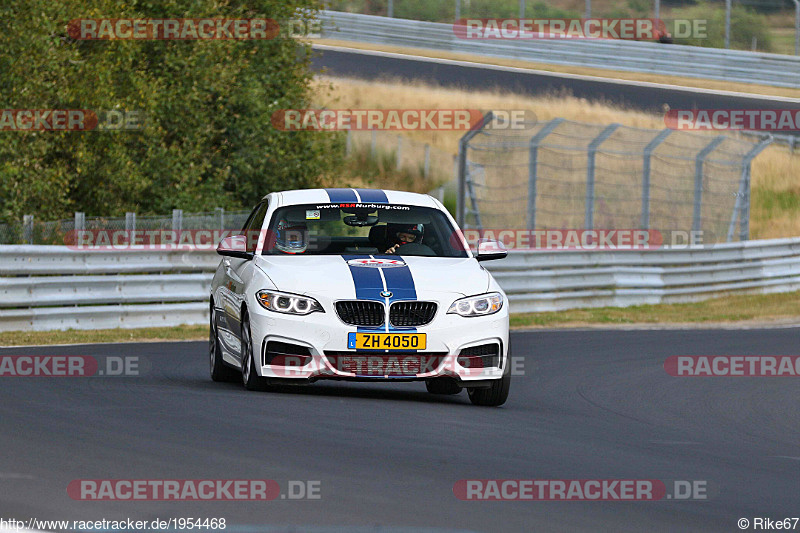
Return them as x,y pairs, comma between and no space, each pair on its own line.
234,246
489,249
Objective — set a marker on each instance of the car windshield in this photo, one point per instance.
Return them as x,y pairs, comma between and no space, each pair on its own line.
362,229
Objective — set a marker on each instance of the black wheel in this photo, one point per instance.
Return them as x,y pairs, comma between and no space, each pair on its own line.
218,369
442,386
497,394
250,378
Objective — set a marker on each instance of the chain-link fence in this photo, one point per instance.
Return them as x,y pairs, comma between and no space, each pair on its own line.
569,175
33,231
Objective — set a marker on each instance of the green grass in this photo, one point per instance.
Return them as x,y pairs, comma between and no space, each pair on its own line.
783,41
73,336
774,203
739,308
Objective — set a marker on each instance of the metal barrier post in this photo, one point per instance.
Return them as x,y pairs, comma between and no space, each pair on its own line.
177,219
221,214
697,224
27,229
743,198
588,222
426,169
648,151
80,221
533,159
463,145
130,221
399,151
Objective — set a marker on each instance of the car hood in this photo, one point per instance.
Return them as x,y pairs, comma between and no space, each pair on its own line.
350,277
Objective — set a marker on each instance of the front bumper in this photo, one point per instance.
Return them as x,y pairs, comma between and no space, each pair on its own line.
325,339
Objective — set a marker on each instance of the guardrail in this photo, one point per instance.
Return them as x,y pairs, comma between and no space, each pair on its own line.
675,60
131,289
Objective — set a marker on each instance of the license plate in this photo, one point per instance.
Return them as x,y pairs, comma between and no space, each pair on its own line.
386,341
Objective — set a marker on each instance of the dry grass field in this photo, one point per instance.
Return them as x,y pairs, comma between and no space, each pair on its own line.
775,210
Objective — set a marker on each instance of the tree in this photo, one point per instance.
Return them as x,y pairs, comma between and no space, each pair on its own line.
207,139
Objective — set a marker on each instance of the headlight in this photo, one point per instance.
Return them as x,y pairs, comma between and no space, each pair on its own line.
291,304
485,304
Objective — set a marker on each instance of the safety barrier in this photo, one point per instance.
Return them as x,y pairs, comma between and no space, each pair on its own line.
55,287
633,56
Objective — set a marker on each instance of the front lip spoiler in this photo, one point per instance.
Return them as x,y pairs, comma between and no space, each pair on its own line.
477,384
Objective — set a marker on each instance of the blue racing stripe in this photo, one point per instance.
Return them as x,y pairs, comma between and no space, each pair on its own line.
399,281
342,195
375,196
368,285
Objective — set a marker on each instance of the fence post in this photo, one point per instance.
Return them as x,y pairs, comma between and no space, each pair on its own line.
533,159
522,9
458,9
390,10
588,222
221,214
177,219
399,151
426,169
348,144
130,221
27,229
648,151
742,206
80,221
373,142
697,224
463,145
796,27
727,23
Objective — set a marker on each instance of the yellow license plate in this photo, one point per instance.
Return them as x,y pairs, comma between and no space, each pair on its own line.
386,341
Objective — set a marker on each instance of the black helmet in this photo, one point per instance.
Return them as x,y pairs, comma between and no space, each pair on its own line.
418,230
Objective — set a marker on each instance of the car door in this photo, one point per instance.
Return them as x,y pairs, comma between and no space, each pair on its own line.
233,295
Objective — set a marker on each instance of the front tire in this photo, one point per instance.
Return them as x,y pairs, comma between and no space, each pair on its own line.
497,394
250,377
218,369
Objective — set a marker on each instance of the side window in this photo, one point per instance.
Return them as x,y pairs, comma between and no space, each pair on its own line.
252,227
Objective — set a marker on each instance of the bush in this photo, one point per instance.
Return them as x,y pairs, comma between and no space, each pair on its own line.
208,140
745,25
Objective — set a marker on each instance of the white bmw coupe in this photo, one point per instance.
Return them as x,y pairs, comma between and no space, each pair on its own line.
363,285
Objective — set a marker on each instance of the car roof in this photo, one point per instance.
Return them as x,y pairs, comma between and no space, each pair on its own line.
367,196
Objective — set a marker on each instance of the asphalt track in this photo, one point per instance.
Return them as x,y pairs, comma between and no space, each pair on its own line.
351,63
591,405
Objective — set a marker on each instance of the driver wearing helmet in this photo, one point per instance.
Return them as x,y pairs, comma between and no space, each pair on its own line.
291,237
400,234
